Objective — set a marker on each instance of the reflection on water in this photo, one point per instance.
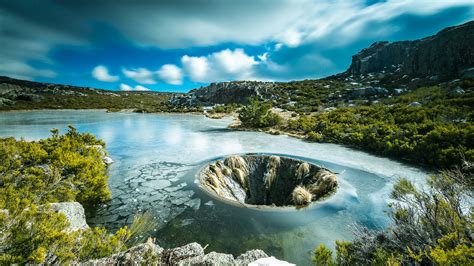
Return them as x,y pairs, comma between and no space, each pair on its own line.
157,156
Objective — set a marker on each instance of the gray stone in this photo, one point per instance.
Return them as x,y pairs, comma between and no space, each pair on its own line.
212,258
74,212
175,255
250,256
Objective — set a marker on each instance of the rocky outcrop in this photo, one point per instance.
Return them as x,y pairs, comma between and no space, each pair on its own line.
446,55
267,180
191,254
225,93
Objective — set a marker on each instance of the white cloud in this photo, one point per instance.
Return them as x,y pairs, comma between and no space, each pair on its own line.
247,22
141,88
101,73
171,74
126,87
29,34
223,65
140,75
197,68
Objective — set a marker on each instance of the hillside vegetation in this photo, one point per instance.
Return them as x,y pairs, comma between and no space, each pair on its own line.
429,125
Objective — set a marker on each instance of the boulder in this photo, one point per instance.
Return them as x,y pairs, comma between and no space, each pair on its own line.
74,212
143,254
175,255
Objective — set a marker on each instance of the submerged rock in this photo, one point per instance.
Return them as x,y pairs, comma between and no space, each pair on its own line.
267,180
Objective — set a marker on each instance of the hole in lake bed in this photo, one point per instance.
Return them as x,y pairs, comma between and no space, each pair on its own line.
271,180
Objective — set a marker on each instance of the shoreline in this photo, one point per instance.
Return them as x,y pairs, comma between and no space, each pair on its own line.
235,125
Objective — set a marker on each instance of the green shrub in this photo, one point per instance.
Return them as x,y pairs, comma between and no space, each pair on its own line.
258,114
32,174
429,227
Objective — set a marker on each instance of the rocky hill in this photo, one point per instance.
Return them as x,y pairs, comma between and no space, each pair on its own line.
447,55
225,93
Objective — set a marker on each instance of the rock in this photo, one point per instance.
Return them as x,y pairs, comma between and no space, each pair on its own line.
369,92
250,256
456,91
142,254
212,258
5,102
269,261
74,212
108,160
224,93
444,56
175,255
190,254
415,104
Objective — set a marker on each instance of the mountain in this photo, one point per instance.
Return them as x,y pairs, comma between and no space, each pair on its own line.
447,55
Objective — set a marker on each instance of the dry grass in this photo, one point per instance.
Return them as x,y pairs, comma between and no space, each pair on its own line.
301,196
272,165
302,171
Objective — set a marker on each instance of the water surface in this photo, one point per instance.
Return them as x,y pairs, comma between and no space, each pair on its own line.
158,155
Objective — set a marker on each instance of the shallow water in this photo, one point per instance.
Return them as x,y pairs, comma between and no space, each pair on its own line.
158,155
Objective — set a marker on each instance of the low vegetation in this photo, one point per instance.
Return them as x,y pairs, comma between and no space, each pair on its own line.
429,227
61,168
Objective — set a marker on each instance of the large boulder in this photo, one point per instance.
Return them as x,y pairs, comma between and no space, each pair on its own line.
74,213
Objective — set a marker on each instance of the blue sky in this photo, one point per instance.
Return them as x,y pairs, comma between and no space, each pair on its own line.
180,45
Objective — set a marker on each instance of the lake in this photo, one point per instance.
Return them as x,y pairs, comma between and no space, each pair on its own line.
156,158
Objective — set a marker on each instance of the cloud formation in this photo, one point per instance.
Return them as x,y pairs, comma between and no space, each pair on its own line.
171,74
223,65
101,73
126,87
293,32
140,75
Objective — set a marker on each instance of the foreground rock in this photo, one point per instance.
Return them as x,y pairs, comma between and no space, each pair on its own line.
267,180
190,254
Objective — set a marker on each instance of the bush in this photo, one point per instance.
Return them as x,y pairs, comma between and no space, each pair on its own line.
432,227
61,168
258,114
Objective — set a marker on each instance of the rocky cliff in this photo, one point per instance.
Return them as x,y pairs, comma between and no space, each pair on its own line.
447,55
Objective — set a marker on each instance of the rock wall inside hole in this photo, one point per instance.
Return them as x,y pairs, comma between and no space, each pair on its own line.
267,180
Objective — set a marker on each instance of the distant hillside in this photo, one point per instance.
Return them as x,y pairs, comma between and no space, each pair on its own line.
16,94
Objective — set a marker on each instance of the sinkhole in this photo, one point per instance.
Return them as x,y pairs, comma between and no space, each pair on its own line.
267,180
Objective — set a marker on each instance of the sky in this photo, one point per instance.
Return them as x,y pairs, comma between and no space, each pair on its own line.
180,45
